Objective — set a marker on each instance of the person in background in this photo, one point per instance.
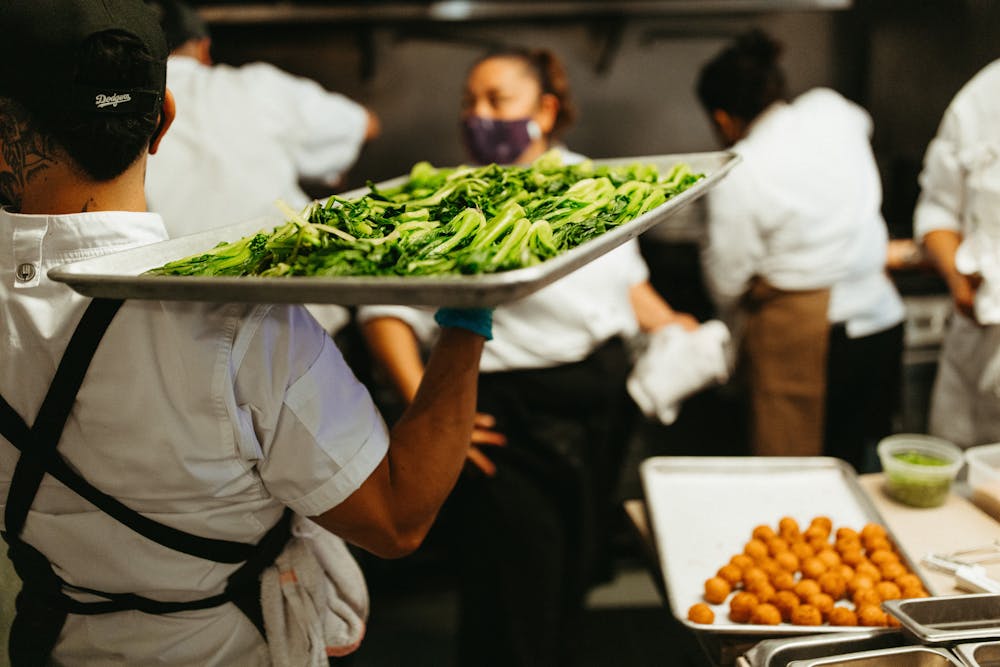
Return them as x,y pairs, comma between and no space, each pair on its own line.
245,138
957,218
184,435
531,516
795,254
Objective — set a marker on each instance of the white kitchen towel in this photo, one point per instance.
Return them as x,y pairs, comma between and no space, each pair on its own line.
314,599
676,364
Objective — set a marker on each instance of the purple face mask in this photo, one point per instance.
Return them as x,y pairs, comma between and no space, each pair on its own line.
499,141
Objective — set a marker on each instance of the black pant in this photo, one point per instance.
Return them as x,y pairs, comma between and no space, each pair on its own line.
864,379
530,540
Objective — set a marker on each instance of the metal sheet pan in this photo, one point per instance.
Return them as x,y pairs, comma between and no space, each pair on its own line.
702,511
980,654
119,275
905,656
954,618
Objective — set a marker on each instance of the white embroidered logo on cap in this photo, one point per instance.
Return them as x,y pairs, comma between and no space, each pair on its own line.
111,100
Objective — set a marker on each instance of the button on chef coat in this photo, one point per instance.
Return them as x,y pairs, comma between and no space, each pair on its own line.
210,418
802,211
242,138
561,323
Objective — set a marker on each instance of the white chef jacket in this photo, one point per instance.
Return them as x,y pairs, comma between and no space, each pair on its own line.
210,418
960,191
242,138
559,324
802,211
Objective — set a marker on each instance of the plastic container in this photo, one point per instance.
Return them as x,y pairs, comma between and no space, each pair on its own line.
984,477
919,469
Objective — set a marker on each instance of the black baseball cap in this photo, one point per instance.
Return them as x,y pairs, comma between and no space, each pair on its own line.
40,43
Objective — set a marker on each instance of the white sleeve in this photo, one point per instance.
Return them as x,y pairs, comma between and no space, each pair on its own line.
324,131
420,319
319,433
733,246
942,182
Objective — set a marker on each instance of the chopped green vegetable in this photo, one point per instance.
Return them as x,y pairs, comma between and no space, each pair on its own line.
449,220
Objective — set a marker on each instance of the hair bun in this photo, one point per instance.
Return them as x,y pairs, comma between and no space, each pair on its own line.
759,46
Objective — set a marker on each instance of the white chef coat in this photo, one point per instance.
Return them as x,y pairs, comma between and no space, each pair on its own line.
802,211
960,191
242,138
559,324
210,418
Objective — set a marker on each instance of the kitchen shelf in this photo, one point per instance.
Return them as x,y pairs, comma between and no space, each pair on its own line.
455,11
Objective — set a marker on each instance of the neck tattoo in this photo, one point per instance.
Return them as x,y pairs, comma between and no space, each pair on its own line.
24,153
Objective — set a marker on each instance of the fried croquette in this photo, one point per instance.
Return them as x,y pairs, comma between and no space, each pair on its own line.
764,533
858,582
821,601
813,567
701,613
806,614
717,590
730,573
753,577
871,616
882,556
868,570
829,557
807,587
741,606
888,590
783,581
765,614
755,549
842,616
866,596
892,571
777,545
833,584
786,602
788,561
788,528
801,550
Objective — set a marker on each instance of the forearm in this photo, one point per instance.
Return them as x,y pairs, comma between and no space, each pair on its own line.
392,511
941,245
651,311
395,348
429,443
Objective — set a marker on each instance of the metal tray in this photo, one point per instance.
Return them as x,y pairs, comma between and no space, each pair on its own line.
980,654
118,275
904,656
954,618
779,652
703,509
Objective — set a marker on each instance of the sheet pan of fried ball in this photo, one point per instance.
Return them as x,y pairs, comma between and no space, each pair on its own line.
773,546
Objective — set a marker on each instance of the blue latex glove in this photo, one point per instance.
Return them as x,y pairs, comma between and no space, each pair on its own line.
476,320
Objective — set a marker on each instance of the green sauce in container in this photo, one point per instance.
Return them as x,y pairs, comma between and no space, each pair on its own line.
917,489
916,458
915,474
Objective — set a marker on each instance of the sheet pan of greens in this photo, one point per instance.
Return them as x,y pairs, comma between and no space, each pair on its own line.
460,237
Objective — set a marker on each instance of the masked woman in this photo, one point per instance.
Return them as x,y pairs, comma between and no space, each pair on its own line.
531,513
796,250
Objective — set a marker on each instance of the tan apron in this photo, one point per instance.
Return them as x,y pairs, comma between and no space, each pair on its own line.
785,344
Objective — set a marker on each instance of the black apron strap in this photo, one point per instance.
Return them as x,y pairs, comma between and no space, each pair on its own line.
39,454
43,605
38,621
54,410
